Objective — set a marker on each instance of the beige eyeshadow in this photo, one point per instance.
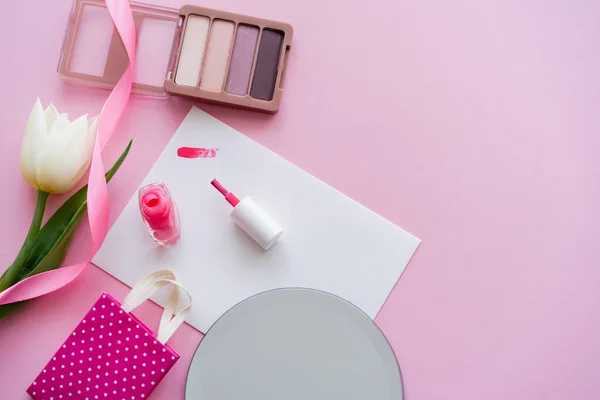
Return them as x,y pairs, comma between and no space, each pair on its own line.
217,55
192,51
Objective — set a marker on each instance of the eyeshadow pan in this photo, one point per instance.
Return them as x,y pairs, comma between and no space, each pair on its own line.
217,55
192,51
265,72
242,59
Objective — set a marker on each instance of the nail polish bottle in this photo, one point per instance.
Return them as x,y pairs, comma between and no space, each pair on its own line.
159,213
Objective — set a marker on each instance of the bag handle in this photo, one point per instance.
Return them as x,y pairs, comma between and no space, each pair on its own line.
144,289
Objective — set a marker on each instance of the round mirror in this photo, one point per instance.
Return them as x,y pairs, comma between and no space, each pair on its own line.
294,344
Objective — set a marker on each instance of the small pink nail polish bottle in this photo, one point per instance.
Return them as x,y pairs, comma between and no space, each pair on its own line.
159,213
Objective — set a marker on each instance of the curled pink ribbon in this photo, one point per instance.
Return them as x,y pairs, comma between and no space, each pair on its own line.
97,197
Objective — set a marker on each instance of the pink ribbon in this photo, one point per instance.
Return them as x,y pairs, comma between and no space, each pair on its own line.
97,197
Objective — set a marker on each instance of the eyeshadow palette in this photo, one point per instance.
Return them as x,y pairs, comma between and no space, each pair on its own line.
196,52
230,58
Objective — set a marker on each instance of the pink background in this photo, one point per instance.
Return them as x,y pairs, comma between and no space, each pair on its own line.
473,124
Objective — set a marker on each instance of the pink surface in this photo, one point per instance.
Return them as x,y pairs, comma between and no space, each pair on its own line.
473,125
110,354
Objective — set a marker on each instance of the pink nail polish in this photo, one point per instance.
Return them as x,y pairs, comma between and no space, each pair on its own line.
159,213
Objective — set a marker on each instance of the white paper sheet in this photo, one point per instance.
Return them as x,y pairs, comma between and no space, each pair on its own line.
330,242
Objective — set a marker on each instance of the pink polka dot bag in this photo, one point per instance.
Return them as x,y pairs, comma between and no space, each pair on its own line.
111,354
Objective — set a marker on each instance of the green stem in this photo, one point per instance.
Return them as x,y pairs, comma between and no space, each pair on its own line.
38,215
10,276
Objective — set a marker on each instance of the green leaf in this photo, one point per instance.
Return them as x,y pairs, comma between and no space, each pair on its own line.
6,309
50,246
57,254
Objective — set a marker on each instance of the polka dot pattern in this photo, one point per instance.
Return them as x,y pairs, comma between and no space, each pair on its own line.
110,355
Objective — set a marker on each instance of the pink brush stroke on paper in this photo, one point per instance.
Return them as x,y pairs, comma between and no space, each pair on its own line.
196,152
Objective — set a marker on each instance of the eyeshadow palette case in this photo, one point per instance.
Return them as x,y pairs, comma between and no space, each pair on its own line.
196,52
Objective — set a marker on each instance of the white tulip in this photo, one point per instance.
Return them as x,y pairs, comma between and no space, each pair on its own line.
56,152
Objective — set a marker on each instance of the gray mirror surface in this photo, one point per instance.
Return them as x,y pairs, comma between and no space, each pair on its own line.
294,344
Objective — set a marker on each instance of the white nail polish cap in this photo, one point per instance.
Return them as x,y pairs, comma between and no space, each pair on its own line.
256,222
252,218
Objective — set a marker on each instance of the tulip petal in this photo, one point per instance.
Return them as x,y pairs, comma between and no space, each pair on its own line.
50,115
33,144
60,125
66,157
93,125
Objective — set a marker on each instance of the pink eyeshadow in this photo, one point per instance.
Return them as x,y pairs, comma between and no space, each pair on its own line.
242,60
217,55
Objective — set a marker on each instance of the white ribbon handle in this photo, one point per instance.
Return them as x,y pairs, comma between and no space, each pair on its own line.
144,289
